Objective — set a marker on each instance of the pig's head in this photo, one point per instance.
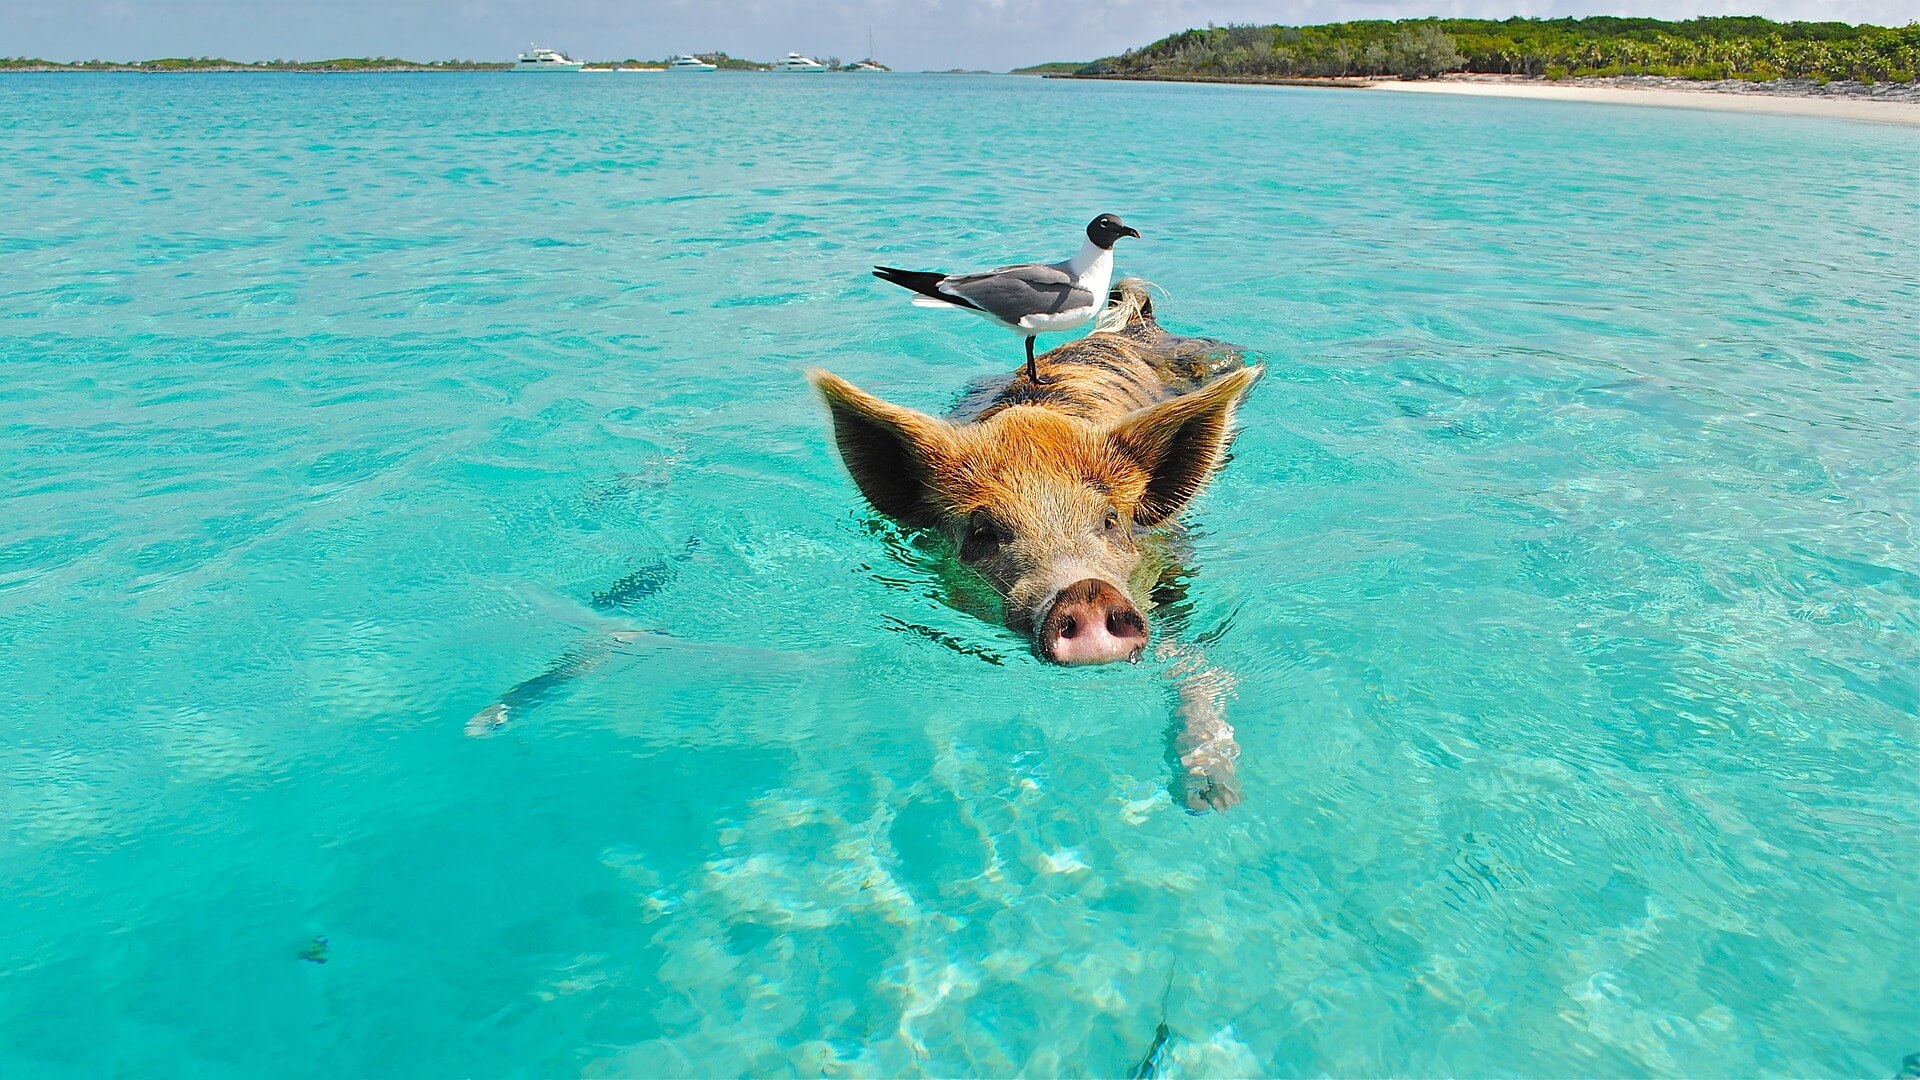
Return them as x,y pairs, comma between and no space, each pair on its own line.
1046,507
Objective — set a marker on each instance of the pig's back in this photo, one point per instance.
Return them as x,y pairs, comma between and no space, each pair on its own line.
1127,364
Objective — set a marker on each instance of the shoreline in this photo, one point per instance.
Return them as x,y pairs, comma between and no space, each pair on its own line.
1231,80
1896,103
1892,104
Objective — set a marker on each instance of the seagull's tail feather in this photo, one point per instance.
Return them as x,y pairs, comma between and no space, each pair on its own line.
924,282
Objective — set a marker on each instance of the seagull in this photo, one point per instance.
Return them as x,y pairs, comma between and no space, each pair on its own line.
1029,299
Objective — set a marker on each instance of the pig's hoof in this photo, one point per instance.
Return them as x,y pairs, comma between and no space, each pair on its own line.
487,721
1213,787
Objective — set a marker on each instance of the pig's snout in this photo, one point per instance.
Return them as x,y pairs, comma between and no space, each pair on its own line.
1091,622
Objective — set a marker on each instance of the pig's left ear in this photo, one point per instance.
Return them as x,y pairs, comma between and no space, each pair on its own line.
891,451
1180,442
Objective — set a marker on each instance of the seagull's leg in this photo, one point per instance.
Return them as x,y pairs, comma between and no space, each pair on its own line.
1033,373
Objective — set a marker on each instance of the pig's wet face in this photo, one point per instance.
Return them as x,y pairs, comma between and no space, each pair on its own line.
1047,508
1046,518
1061,552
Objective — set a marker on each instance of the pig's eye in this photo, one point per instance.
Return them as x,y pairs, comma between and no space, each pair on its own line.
1112,524
981,541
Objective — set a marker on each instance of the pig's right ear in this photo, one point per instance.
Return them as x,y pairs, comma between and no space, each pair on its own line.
890,451
1180,442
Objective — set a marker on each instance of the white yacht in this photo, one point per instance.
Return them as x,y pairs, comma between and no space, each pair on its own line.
684,62
795,62
538,59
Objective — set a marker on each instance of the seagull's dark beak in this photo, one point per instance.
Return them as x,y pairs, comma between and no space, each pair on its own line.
1130,231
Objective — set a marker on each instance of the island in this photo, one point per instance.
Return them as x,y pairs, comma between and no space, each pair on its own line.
1806,57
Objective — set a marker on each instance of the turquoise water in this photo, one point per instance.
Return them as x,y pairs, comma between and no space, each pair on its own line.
1567,567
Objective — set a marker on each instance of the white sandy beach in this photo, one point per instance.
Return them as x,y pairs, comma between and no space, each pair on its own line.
1840,108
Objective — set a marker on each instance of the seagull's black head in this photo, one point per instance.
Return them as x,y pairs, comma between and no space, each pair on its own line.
1106,229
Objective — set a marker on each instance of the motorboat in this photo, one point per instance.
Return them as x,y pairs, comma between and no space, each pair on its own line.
684,62
795,62
538,59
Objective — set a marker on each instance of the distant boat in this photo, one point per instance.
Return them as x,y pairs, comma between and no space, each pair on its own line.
538,59
683,62
795,62
869,64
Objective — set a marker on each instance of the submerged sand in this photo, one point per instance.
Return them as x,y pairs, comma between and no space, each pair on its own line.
1839,107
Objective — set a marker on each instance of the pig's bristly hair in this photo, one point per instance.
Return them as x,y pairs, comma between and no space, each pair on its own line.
1128,305
1103,376
1108,416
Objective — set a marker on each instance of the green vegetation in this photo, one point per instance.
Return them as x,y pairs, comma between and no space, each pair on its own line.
28,63
1057,67
1730,47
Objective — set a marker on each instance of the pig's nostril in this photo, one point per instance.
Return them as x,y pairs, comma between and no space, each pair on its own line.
1090,622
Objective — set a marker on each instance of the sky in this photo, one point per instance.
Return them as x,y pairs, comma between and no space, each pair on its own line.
909,35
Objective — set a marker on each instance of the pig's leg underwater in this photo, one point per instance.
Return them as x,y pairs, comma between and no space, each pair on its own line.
1202,747
571,665
613,647
596,651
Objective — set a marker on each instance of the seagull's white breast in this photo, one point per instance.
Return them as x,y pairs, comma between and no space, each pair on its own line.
1092,270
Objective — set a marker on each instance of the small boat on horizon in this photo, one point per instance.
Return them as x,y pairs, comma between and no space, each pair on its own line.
869,64
543,60
689,62
795,62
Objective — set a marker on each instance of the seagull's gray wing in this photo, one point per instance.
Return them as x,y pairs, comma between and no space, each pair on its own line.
1012,293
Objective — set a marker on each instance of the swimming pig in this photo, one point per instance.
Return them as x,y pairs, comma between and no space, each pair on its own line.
1059,494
